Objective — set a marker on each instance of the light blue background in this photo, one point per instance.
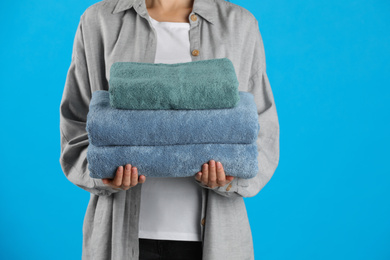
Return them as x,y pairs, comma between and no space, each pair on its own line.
328,64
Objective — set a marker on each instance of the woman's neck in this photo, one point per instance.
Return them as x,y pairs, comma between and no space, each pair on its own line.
169,10
169,5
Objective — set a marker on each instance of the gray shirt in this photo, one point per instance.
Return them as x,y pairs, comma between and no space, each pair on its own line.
121,30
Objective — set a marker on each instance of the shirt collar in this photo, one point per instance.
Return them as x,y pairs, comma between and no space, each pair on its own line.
205,8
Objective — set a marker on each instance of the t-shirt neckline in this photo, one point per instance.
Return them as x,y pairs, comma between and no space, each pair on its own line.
178,24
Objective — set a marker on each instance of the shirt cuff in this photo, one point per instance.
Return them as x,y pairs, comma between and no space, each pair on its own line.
104,189
228,190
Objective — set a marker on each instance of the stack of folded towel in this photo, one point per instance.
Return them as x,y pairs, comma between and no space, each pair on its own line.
170,119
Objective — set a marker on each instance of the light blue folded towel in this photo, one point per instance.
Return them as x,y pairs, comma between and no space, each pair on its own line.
202,84
239,160
110,126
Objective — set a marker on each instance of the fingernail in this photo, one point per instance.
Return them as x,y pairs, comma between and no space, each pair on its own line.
218,165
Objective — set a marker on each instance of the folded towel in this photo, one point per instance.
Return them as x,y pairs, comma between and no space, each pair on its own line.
109,126
239,160
202,84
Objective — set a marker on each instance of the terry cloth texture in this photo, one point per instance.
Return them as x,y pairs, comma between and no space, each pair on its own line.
239,160
108,126
202,84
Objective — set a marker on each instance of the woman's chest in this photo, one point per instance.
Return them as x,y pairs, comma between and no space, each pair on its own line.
135,39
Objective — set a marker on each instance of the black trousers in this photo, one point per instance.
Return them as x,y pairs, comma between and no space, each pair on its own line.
150,249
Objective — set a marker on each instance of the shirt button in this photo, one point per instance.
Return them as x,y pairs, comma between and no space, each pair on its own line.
203,221
195,52
193,17
228,187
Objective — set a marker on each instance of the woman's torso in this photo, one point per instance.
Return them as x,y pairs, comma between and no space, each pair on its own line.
170,207
120,30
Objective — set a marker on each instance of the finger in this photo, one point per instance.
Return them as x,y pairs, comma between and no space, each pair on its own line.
221,179
229,178
205,174
212,175
141,179
134,177
126,179
118,177
198,176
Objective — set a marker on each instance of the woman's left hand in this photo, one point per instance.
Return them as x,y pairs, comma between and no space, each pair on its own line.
213,175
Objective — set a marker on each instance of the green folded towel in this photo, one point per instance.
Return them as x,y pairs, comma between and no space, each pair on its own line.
203,84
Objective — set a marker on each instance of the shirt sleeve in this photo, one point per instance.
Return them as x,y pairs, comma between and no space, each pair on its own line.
73,115
268,137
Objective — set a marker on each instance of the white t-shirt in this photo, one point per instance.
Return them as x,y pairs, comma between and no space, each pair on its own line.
170,207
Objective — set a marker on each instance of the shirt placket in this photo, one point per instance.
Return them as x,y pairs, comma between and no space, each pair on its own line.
194,36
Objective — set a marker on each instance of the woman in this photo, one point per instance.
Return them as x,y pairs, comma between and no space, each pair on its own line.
116,223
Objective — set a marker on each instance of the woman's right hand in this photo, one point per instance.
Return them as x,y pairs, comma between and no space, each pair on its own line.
125,180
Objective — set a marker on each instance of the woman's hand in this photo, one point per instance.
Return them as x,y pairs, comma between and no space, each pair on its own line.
213,175
125,181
